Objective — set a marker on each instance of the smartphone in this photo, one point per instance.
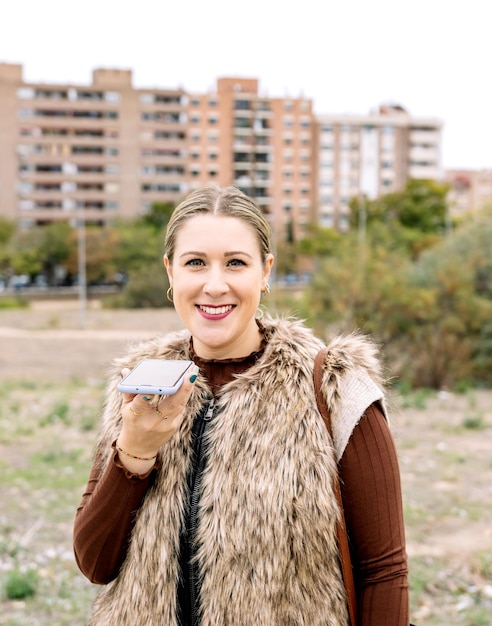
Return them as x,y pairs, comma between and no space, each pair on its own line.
155,376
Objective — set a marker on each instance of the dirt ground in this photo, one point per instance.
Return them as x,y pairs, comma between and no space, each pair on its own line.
443,441
59,341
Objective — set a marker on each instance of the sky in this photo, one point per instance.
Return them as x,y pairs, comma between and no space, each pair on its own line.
349,56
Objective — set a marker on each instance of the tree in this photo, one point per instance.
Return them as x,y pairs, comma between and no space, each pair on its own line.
413,219
139,244
41,249
432,314
101,244
7,229
159,215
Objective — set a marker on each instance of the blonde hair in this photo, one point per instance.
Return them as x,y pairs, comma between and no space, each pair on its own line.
225,201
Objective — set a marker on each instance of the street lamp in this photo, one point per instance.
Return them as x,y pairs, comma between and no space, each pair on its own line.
81,255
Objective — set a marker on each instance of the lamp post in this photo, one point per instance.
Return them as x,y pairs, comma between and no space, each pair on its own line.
81,254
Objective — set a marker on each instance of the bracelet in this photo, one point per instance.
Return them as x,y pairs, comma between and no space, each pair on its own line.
133,456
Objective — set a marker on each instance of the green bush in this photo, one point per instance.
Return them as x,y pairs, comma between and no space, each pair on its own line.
19,585
146,288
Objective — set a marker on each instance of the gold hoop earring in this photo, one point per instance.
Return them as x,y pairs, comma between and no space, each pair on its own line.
266,290
169,294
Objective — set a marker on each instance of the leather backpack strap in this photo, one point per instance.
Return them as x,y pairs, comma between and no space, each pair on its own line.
343,544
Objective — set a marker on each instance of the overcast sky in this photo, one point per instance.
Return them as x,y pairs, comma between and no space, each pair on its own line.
431,56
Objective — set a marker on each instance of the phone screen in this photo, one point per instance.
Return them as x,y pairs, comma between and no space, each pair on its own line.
157,373
155,376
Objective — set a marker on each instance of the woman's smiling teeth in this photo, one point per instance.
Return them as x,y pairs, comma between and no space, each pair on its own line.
215,310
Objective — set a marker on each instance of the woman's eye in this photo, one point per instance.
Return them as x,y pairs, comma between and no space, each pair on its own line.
236,262
194,262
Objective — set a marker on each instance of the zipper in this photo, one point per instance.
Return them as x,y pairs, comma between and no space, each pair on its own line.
210,411
194,500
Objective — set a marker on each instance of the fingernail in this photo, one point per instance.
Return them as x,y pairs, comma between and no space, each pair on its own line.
194,376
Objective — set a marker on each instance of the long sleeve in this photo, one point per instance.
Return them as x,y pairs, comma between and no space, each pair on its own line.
104,519
371,494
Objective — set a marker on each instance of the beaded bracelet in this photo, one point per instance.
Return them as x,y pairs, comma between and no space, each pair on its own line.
133,456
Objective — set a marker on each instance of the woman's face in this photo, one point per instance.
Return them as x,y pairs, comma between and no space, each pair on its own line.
217,276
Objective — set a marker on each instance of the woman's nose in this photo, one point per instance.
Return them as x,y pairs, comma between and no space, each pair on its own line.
215,284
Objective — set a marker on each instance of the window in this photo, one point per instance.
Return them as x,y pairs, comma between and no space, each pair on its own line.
242,122
112,96
90,95
242,105
160,187
25,93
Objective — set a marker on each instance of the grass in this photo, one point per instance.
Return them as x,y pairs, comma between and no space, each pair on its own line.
46,441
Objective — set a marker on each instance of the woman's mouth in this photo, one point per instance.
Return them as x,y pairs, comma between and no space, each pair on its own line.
215,312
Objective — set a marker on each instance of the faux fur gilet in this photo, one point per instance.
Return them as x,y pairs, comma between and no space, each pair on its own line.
267,549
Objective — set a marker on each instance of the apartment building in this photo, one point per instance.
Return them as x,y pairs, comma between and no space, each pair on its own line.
470,191
95,152
262,145
370,155
108,150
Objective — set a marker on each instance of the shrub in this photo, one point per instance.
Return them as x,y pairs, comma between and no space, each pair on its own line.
19,585
146,288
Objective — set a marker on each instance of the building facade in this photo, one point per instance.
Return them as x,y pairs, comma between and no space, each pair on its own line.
470,192
108,150
94,152
261,145
368,156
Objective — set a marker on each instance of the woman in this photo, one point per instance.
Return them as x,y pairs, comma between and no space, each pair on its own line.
215,505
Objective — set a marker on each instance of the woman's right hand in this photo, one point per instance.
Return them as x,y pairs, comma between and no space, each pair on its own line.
150,422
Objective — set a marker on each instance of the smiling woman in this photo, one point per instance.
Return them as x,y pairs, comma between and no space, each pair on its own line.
216,505
217,289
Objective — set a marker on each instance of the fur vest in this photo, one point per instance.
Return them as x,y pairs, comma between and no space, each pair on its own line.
267,546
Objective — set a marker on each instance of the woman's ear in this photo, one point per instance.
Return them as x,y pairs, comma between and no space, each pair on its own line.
169,268
267,268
